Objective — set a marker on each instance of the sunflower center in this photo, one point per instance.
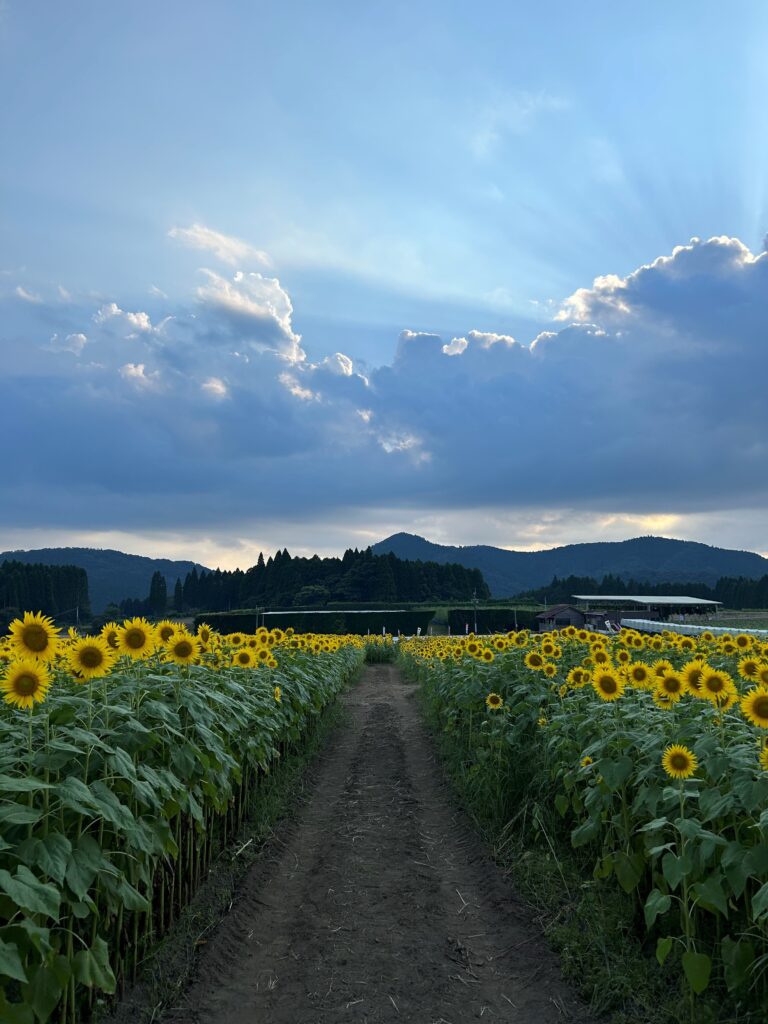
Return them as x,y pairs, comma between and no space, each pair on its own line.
760,708
135,639
166,633
35,638
671,684
183,649
715,684
26,684
111,639
679,762
608,684
91,657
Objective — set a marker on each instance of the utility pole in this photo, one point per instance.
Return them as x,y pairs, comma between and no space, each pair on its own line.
474,604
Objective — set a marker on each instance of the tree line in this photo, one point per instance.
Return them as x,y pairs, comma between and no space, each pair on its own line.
60,590
283,581
732,591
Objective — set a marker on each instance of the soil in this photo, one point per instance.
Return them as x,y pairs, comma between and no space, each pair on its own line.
378,903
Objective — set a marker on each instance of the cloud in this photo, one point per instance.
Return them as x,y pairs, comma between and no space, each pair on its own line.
27,296
74,343
642,400
510,115
215,387
226,248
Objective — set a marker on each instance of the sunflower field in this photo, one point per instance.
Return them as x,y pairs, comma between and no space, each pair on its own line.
652,753
127,759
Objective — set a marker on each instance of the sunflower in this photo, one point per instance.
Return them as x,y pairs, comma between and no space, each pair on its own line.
205,632
600,656
623,656
25,683
243,658
671,686
34,636
548,648
278,694
762,673
236,639
754,706
487,656
607,684
686,644
586,761
748,668
640,674
661,666
716,686
473,648
165,630
764,759
136,638
91,657
679,762
662,700
182,649
110,633
577,677
494,702
744,641
534,660
272,663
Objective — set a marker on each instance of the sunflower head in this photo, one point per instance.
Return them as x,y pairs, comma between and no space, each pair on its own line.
716,686
494,702
25,683
749,667
165,630
671,685
607,684
182,649
243,658
764,759
754,706
111,633
679,762
278,694
136,638
91,657
34,636
640,674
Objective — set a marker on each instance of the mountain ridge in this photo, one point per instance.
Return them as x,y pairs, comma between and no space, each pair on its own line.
648,559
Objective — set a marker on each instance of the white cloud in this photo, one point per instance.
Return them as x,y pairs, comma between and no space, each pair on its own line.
27,296
74,343
136,374
226,248
215,387
338,364
158,293
291,384
138,322
455,346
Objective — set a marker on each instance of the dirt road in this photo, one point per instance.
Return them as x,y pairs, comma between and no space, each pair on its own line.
378,903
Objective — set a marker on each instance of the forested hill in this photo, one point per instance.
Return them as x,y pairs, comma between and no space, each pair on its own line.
359,576
645,559
112,575
60,590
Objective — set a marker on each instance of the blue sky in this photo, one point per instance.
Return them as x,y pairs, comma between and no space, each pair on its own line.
236,239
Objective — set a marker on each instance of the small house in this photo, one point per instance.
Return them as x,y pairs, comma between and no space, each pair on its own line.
559,616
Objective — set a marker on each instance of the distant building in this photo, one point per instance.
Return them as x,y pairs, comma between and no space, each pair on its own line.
559,616
651,607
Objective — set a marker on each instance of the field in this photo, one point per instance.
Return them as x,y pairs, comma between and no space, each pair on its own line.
629,769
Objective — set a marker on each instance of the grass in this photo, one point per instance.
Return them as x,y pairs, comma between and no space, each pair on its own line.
167,971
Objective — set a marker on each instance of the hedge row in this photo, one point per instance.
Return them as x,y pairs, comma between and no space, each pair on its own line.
339,622
491,620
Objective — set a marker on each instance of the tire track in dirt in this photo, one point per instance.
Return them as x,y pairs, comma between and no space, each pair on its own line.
378,903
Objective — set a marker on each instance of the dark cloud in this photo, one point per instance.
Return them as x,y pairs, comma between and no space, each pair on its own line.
645,394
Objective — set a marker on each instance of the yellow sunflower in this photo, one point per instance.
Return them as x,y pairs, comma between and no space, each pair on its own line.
640,674
679,762
91,657
34,636
243,658
762,674
494,702
661,666
25,683
754,706
278,694
749,668
671,686
110,633
586,761
165,630
716,686
550,670
182,649
534,660
205,632
136,638
764,759
607,684
487,655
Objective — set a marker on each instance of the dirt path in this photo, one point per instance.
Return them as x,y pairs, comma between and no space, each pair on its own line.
378,903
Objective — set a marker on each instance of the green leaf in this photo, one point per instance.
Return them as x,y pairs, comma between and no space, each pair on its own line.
585,832
562,803
29,893
738,957
10,784
19,814
74,794
10,962
52,854
629,869
615,772
109,806
84,863
710,893
132,898
91,967
674,868
697,967
663,949
15,1013
657,903
655,825
46,986
760,903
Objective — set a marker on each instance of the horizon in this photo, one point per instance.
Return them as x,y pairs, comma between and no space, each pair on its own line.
491,280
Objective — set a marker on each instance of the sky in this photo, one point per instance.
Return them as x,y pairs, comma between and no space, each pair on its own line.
306,274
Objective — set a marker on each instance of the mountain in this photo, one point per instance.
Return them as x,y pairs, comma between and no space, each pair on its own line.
112,575
649,559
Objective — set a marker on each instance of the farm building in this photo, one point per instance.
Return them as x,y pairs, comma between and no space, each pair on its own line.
559,616
652,607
